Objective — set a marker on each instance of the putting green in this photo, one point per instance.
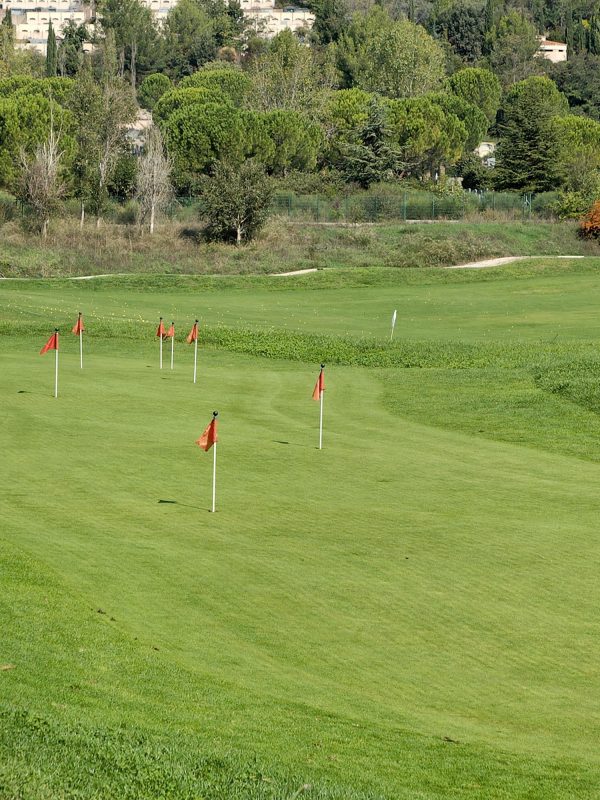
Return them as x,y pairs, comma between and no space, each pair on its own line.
410,579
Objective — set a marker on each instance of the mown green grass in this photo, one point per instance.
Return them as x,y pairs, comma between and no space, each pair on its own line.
409,613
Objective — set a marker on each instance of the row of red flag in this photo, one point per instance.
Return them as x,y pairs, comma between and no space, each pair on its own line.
170,332
209,437
52,343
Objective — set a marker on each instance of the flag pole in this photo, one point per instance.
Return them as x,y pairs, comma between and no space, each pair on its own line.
172,344
80,343
196,352
161,341
321,415
56,365
214,486
393,324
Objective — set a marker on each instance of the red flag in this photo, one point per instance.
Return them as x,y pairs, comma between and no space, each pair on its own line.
171,331
160,331
319,386
51,344
209,437
78,327
193,334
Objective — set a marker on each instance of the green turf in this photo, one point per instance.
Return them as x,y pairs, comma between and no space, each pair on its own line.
410,612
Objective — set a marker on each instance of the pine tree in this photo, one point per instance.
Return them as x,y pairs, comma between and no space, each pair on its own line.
7,43
370,158
51,53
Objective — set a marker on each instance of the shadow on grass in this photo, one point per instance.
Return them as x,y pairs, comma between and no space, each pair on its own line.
184,505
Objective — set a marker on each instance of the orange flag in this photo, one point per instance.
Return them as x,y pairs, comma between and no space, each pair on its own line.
78,327
51,344
160,331
319,385
193,334
171,331
209,437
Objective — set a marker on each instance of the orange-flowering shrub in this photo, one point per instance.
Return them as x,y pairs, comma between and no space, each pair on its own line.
589,227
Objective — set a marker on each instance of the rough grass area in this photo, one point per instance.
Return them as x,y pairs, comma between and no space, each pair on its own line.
282,247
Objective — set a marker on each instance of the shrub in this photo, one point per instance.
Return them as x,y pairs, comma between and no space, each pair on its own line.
589,227
236,201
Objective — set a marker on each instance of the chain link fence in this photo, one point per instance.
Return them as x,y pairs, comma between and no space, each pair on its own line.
404,206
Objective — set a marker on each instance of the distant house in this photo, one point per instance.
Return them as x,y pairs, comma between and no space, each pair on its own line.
552,51
137,131
486,151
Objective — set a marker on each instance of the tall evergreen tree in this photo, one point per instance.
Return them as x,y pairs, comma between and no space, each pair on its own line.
369,158
51,53
527,154
7,43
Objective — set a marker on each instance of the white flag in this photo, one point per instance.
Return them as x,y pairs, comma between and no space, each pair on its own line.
394,315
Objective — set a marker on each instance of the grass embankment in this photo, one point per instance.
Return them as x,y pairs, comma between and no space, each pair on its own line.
409,613
282,247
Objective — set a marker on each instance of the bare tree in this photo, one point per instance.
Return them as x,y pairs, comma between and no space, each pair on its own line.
42,186
154,190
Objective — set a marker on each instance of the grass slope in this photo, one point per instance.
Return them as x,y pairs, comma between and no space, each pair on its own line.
410,612
281,247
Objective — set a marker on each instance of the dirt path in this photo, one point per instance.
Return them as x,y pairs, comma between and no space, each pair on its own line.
488,262
498,262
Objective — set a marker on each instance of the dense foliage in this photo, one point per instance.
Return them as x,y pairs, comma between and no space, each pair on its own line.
390,93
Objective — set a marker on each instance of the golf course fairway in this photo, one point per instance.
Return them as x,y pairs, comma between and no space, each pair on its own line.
411,612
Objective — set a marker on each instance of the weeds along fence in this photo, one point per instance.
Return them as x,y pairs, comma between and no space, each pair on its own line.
405,206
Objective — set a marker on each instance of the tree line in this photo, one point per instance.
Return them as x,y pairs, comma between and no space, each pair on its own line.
383,93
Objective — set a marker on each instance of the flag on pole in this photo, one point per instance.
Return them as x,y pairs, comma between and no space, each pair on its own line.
51,344
78,330
79,327
209,436
319,385
318,394
160,332
394,315
193,334
170,334
193,337
206,441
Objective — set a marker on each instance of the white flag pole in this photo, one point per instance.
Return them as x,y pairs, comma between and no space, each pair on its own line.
56,365
321,393
161,342
196,352
214,487
214,492
80,343
393,324
321,424
172,344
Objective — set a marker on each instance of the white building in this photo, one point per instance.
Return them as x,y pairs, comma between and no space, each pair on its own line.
552,51
31,19
269,21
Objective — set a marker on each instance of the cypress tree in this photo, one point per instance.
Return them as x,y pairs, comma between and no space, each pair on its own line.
51,53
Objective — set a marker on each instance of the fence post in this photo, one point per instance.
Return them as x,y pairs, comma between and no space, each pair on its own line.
404,206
